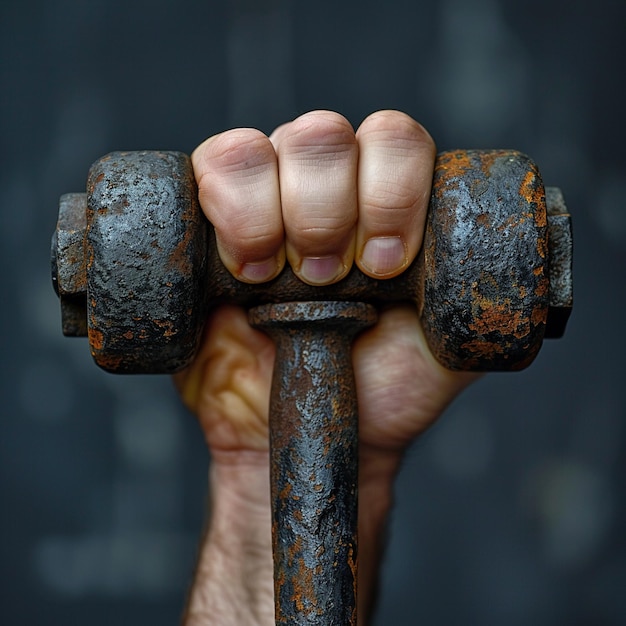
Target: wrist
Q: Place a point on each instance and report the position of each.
(234, 579)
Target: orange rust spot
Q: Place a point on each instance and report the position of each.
(167, 326)
(539, 315)
(449, 168)
(90, 257)
(483, 220)
(530, 190)
(285, 491)
(499, 317)
(96, 339)
(542, 288)
(533, 192)
(303, 590)
(96, 344)
(180, 258)
(488, 158)
(455, 164)
(294, 551)
(128, 334)
(481, 347)
(353, 565)
(109, 363)
(542, 247)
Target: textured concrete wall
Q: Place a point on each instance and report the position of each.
(512, 510)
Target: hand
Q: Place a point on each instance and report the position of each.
(321, 197)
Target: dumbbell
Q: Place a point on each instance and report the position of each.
(136, 268)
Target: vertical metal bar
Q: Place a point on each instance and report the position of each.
(314, 459)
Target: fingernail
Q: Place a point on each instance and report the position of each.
(321, 270)
(259, 272)
(383, 255)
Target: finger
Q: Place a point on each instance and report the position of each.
(396, 161)
(237, 175)
(318, 158)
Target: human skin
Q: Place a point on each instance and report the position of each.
(320, 196)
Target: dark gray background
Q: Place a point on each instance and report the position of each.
(511, 510)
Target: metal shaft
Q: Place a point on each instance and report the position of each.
(314, 459)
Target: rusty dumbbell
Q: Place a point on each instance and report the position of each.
(136, 268)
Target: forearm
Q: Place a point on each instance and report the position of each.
(233, 584)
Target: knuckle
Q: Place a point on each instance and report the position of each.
(238, 151)
(391, 194)
(319, 133)
(390, 201)
(244, 241)
(396, 129)
(321, 234)
(321, 228)
(247, 224)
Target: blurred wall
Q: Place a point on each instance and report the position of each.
(511, 510)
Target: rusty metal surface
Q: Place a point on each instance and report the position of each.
(146, 250)
(314, 458)
(482, 282)
(69, 276)
(561, 247)
(486, 283)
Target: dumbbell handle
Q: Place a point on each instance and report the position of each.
(314, 458)
(287, 287)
